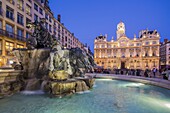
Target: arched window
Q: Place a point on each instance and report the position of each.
(123, 55)
(146, 54)
(137, 55)
(154, 54)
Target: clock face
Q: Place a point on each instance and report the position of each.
(123, 42)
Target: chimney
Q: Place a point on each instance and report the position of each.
(59, 18)
(165, 40)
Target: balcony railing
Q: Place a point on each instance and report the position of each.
(11, 1)
(12, 35)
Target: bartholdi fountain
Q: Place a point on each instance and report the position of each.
(48, 66)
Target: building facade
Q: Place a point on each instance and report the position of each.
(165, 54)
(16, 14)
(137, 53)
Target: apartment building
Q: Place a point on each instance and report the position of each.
(16, 14)
(165, 54)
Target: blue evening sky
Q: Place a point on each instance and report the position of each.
(89, 18)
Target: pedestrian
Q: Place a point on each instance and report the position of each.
(154, 70)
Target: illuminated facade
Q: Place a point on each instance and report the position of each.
(16, 14)
(136, 53)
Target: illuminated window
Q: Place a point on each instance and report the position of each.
(20, 46)
(11, 1)
(20, 5)
(28, 9)
(8, 47)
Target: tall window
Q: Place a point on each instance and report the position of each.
(50, 28)
(28, 21)
(147, 43)
(35, 17)
(0, 47)
(46, 16)
(30, 1)
(20, 19)
(20, 5)
(50, 19)
(20, 33)
(42, 1)
(27, 35)
(11, 1)
(9, 28)
(146, 54)
(8, 47)
(66, 38)
(0, 24)
(28, 9)
(9, 13)
(123, 55)
(0, 8)
(36, 7)
(46, 25)
(40, 11)
(154, 42)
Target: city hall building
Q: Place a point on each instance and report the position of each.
(128, 53)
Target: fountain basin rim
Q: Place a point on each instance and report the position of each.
(148, 81)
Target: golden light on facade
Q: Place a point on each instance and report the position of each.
(123, 50)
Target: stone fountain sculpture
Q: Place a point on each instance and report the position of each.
(52, 68)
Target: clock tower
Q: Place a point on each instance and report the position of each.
(120, 30)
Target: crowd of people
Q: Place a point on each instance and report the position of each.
(154, 73)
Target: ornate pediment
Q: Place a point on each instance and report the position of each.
(123, 41)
